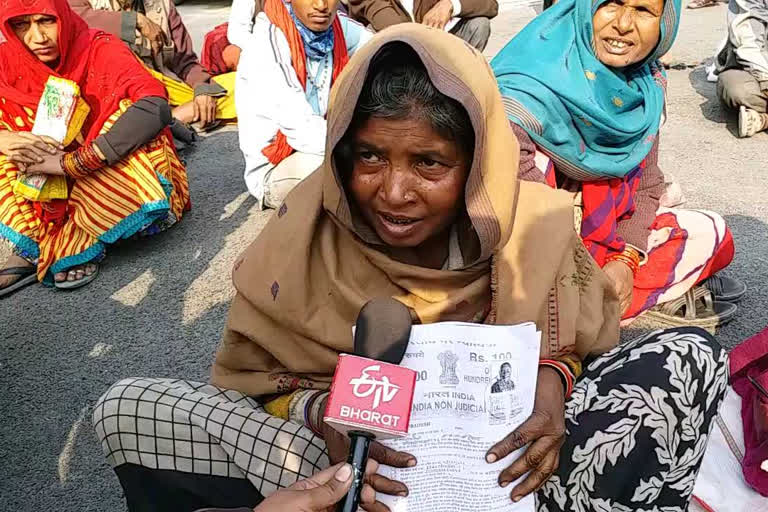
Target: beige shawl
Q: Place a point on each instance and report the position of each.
(302, 282)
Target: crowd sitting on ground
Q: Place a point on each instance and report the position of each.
(399, 164)
(155, 32)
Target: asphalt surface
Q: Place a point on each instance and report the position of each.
(159, 305)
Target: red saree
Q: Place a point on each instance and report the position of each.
(114, 202)
(101, 64)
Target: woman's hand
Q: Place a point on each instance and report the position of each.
(25, 149)
(338, 449)
(623, 280)
(205, 109)
(439, 15)
(49, 164)
(320, 492)
(544, 431)
(152, 31)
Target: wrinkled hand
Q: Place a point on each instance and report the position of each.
(623, 280)
(50, 164)
(205, 109)
(544, 431)
(152, 32)
(320, 492)
(439, 15)
(338, 449)
(24, 148)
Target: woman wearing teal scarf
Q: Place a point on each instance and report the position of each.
(599, 120)
(583, 89)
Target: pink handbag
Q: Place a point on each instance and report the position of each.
(749, 378)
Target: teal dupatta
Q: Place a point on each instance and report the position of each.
(595, 122)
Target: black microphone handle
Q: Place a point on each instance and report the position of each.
(360, 441)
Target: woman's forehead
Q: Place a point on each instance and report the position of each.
(655, 5)
(31, 17)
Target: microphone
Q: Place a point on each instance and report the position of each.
(371, 396)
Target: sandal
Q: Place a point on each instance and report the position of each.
(27, 276)
(697, 308)
(725, 288)
(700, 4)
(79, 283)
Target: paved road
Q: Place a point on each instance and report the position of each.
(158, 307)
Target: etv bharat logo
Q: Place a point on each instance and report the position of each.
(365, 385)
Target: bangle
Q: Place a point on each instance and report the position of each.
(565, 374)
(313, 411)
(81, 162)
(574, 364)
(629, 256)
(304, 408)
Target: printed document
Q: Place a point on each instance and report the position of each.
(474, 385)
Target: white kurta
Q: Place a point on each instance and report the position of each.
(269, 96)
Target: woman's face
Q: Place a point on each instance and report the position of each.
(625, 32)
(506, 372)
(40, 34)
(407, 180)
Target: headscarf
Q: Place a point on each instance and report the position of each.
(302, 282)
(103, 67)
(212, 55)
(595, 122)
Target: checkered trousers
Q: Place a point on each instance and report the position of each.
(198, 428)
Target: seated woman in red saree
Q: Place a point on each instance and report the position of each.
(123, 174)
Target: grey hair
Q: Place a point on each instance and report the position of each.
(398, 87)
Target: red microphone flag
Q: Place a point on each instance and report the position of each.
(372, 396)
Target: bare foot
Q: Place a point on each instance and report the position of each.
(13, 261)
(75, 273)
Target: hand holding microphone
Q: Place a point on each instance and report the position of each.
(320, 492)
(371, 398)
(338, 449)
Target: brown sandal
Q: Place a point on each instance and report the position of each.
(696, 308)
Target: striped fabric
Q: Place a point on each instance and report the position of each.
(113, 203)
(684, 247)
(606, 203)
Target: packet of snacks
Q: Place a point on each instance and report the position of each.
(60, 115)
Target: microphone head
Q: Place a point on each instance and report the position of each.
(383, 330)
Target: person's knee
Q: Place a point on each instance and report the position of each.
(105, 411)
(711, 358)
(116, 390)
(481, 27)
(478, 31)
(736, 88)
(277, 190)
(287, 175)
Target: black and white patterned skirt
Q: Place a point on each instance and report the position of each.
(637, 428)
